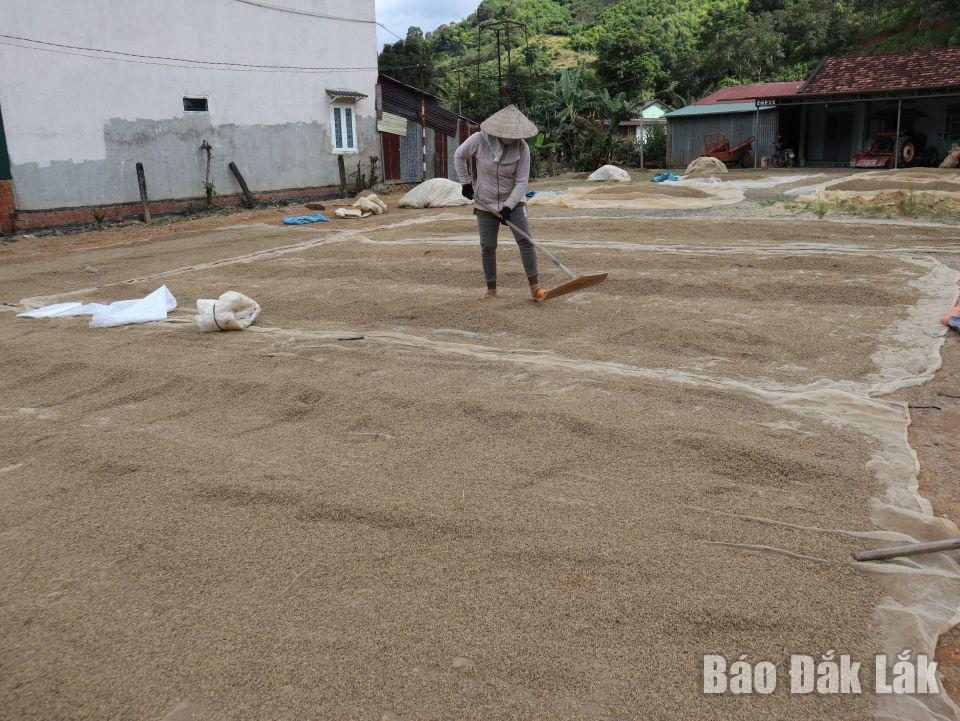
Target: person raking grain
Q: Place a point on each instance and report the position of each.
(502, 160)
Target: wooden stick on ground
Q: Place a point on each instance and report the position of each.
(910, 549)
(247, 195)
(144, 202)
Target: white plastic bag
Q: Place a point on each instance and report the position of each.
(231, 311)
(434, 193)
(610, 172)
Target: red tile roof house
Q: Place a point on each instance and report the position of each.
(743, 93)
(848, 99)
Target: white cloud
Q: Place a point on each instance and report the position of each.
(398, 15)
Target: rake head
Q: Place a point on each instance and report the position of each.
(575, 284)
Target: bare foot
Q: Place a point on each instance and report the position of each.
(489, 293)
(537, 293)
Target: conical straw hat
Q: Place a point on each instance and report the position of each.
(509, 123)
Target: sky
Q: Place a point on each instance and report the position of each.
(398, 15)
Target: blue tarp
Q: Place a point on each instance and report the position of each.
(661, 177)
(304, 219)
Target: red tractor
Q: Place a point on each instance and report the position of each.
(910, 149)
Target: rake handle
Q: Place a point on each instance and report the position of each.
(526, 236)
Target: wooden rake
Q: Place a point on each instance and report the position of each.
(576, 282)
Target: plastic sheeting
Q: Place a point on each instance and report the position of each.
(936, 189)
(685, 194)
(305, 219)
(434, 193)
(609, 172)
(50, 311)
(231, 311)
(150, 308)
(664, 178)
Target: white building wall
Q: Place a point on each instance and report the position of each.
(76, 125)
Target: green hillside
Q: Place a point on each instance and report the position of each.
(677, 50)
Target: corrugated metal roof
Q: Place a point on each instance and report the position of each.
(400, 99)
(404, 100)
(716, 109)
(341, 93)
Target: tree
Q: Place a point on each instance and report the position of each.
(642, 44)
(410, 59)
(739, 46)
(624, 57)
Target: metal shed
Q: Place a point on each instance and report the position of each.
(738, 121)
(410, 152)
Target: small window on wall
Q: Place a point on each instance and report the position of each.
(195, 105)
(344, 125)
(951, 131)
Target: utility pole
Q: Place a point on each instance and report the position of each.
(502, 34)
(499, 68)
(423, 122)
(643, 140)
(896, 140)
(459, 95)
(509, 65)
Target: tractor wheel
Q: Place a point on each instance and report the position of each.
(908, 153)
(746, 160)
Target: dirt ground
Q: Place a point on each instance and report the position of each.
(478, 509)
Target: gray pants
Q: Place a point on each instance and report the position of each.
(489, 228)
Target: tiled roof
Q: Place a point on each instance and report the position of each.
(740, 93)
(911, 70)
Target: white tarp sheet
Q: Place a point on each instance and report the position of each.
(49, 311)
(107, 315)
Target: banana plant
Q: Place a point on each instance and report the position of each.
(612, 109)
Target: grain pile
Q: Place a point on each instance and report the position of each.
(476, 512)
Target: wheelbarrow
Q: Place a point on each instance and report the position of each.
(716, 145)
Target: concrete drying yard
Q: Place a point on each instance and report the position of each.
(478, 510)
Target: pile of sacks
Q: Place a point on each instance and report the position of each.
(953, 158)
(363, 207)
(609, 172)
(705, 165)
(434, 193)
(231, 311)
